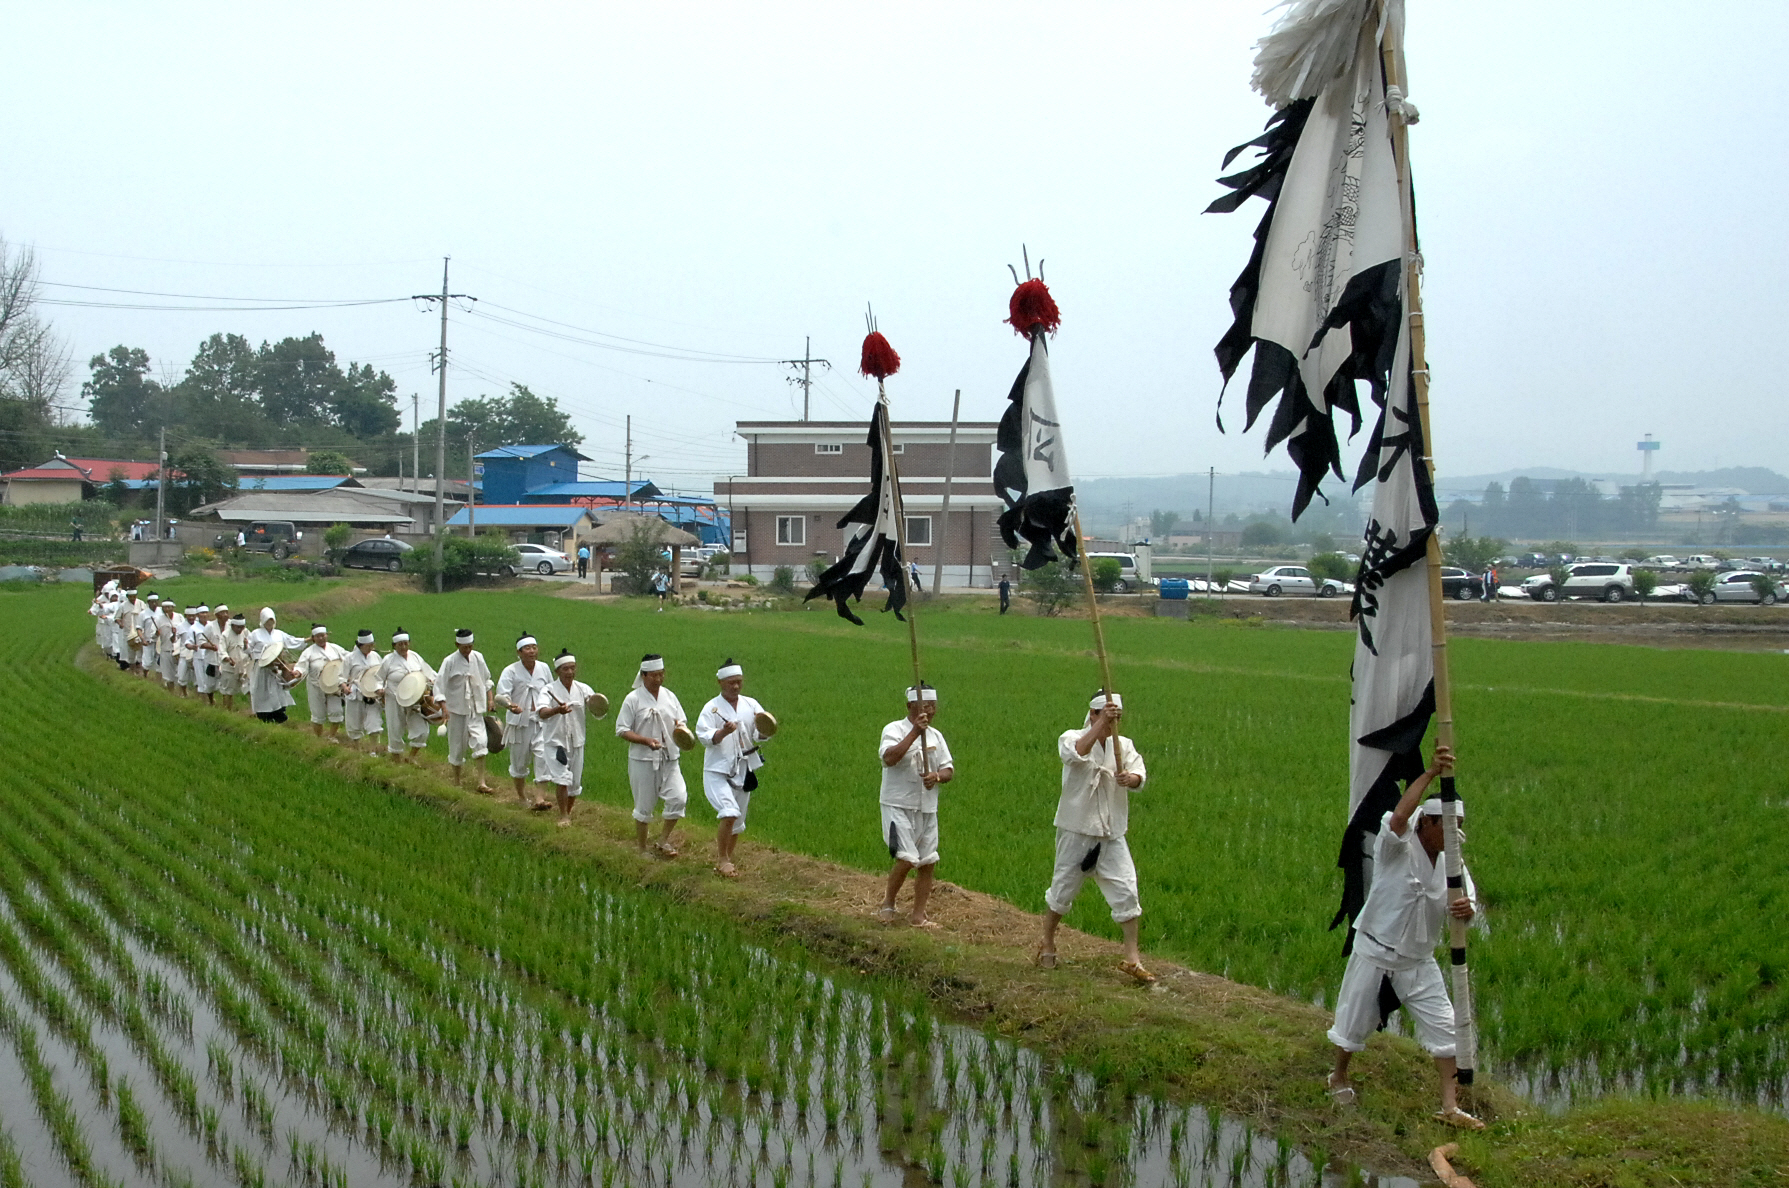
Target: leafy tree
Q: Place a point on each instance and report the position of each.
(1262, 534)
(221, 390)
(199, 477)
(782, 580)
(1645, 582)
(336, 538)
(1161, 523)
(1050, 587)
(115, 492)
(121, 398)
(299, 379)
(328, 462)
(1701, 583)
(639, 555)
(1764, 586)
(1107, 572)
(1330, 565)
(1473, 553)
(462, 560)
(366, 402)
(520, 418)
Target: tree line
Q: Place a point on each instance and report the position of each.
(1572, 510)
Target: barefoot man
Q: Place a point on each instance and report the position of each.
(728, 728)
(562, 713)
(648, 717)
(519, 690)
(1394, 944)
(464, 682)
(915, 760)
(1092, 817)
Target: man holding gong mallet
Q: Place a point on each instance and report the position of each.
(1100, 769)
(915, 760)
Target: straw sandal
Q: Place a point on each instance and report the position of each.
(887, 915)
(665, 849)
(925, 924)
(1137, 973)
(484, 791)
(1341, 1095)
(540, 806)
(1459, 1119)
(1042, 959)
(727, 871)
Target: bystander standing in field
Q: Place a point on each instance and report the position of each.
(563, 715)
(268, 696)
(206, 638)
(1394, 942)
(728, 730)
(406, 730)
(325, 702)
(360, 713)
(1100, 769)
(583, 560)
(464, 682)
(519, 690)
(910, 777)
(233, 663)
(1006, 593)
(649, 719)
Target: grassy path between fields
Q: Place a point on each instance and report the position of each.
(1195, 1037)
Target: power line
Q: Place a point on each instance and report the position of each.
(209, 297)
(717, 355)
(137, 305)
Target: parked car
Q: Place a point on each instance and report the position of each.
(1661, 563)
(542, 560)
(1283, 579)
(1701, 561)
(1330, 587)
(1458, 583)
(378, 553)
(1127, 569)
(278, 537)
(1591, 579)
(1738, 587)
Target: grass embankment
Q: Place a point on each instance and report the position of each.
(1222, 718)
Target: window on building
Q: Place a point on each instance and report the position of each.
(900, 447)
(791, 530)
(919, 530)
(829, 447)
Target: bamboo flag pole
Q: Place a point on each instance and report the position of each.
(900, 511)
(1466, 1035)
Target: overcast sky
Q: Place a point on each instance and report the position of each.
(1600, 187)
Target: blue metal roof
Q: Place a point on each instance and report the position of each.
(593, 489)
(523, 515)
(291, 482)
(529, 451)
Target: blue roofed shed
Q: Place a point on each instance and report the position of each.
(552, 524)
(512, 471)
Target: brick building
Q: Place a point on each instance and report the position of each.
(801, 476)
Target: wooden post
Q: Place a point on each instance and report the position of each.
(1099, 630)
(1466, 1035)
(941, 539)
(676, 569)
(900, 511)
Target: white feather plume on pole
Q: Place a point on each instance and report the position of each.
(1313, 44)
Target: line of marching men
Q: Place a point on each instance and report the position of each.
(210, 651)
(356, 694)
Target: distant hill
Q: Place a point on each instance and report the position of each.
(1753, 480)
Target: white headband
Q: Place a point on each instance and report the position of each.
(654, 665)
(562, 661)
(1432, 808)
(204, 610)
(364, 637)
(319, 629)
(239, 619)
(267, 613)
(222, 607)
(731, 670)
(462, 636)
(922, 695)
(401, 637)
(1099, 703)
(527, 641)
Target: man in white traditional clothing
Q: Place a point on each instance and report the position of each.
(234, 663)
(206, 639)
(915, 760)
(728, 730)
(167, 646)
(326, 702)
(1100, 769)
(360, 713)
(464, 685)
(186, 644)
(649, 718)
(148, 656)
(518, 692)
(565, 729)
(406, 730)
(269, 692)
(129, 619)
(1394, 942)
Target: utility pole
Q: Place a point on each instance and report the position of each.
(471, 490)
(627, 481)
(441, 421)
(943, 536)
(806, 380)
(415, 444)
(1211, 486)
(161, 489)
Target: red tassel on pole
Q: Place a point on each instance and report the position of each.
(879, 359)
(1032, 308)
